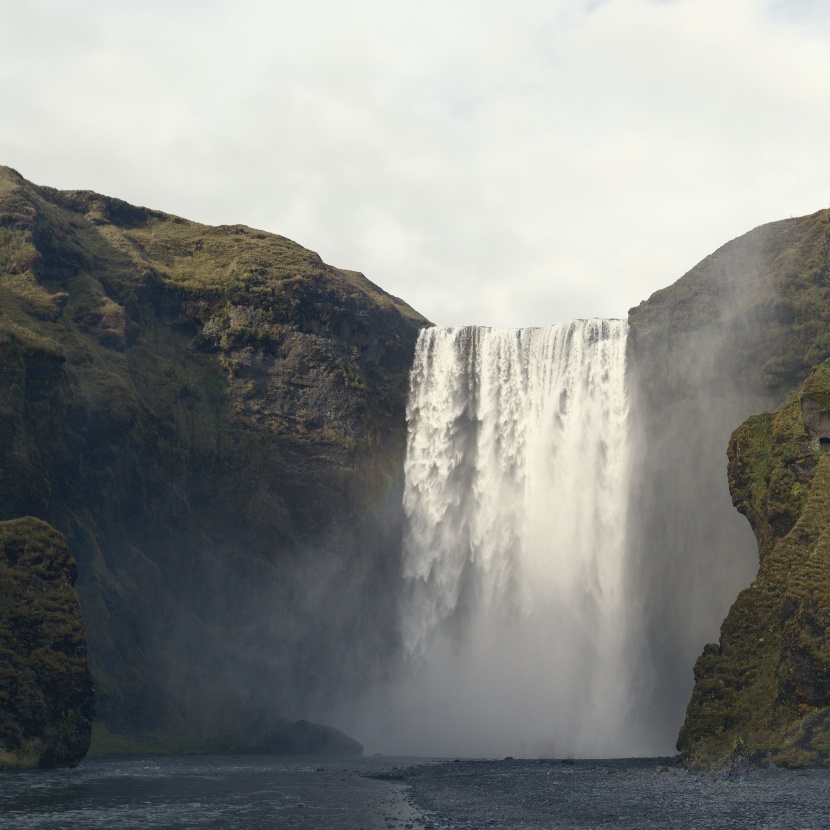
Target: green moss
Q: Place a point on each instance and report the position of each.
(764, 692)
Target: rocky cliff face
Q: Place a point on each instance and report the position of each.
(46, 690)
(763, 692)
(735, 336)
(214, 418)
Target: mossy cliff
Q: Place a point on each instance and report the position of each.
(763, 693)
(46, 690)
(214, 418)
(734, 337)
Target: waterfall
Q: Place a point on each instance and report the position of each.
(514, 618)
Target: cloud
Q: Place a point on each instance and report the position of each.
(505, 165)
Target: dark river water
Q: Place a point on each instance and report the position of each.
(253, 792)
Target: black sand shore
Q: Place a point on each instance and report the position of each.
(258, 792)
(630, 794)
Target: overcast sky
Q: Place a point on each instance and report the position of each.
(498, 163)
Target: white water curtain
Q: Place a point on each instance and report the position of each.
(514, 618)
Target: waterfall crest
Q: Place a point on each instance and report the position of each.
(514, 618)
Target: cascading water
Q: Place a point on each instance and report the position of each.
(514, 619)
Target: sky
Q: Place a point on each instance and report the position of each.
(504, 164)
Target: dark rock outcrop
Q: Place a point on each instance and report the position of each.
(214, 418)
(762, 694)
(304, 738)
(46, 691)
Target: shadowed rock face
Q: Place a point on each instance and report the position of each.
(46, 690)
(214, 418)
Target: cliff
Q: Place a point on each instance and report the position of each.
(46, 691)
(734, 337)
(762, 694)
(214, 419)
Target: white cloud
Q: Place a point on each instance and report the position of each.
(508, 165)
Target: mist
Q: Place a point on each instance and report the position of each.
(698, 369)
(542, 570)
(512, 620)
(491, 669)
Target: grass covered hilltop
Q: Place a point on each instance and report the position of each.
(214, 419)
